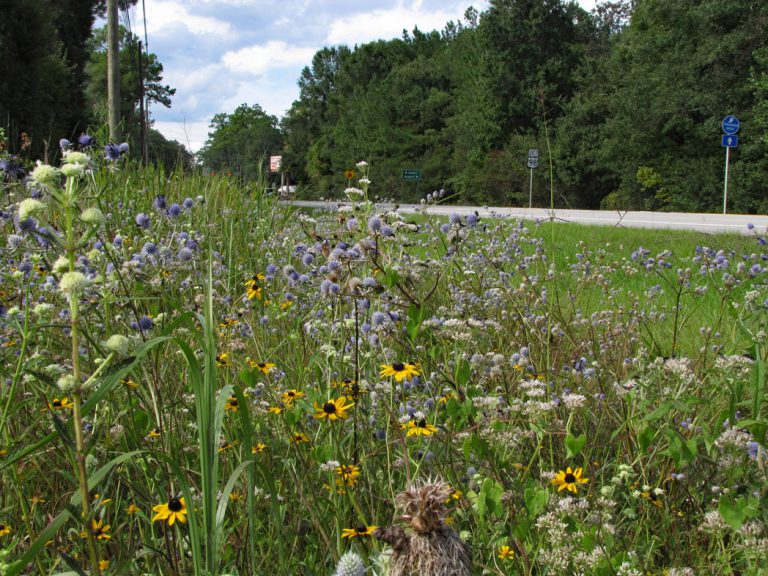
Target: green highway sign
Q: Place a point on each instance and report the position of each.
(412, 174)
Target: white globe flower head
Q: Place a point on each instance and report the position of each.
(46, 175)
(73, 170)
(73, 157)
(61, 265)
(30, 207)
(93, 217)
(66, 383)
(73, 283)
(119, 344)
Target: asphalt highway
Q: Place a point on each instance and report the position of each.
(712, 223)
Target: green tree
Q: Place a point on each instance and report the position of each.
(242, 142)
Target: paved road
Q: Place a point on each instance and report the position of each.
(712, 223)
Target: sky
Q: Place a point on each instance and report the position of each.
(219, 54)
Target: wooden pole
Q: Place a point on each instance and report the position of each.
(113, 70)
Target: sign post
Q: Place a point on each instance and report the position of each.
(533, 162)
(730, 126)
(412, 175)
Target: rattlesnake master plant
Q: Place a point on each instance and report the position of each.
(350, 565)
(432, 548)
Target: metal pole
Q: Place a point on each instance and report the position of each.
(530, 192)
(725, 190)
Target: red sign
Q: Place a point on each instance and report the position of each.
(275, 162)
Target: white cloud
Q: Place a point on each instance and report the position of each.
(260, 58)
(390, 23)
(164, 15)
(192, 134)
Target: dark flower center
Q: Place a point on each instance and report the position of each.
(652, 496)
(233, 401)
(261, 365)
(175, 505)
(290, 394)
(398, 366)
(570, 479)
(329, 408)
(361, 529)
(57, 403)
(421, 424)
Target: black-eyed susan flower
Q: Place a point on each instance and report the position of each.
(258, 448)
(400, 370)
(61, 404)
(175, 509)
(103, 565)
(231, 404)
(222, 360)
(506, 553)
(225, 446)
(299, 438)
(4, 529)
(349, 386)
(290, 395)
(333, 409)
(654, 497)
(154, 433)
(569, 480)
(359, 532)
(349, 174)
(275, 410)
(420, 428)
(132, 509)
(98, 529)
(253, 286)
(263, 367)
(128, 383)
(348, 474)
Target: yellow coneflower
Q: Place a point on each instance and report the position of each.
(175, 509)
(506, 553)
(290, 395)
(253, 289)
(358, 532)
(236, 497)
(455, 495)
(98, 529)
(4, 529)
(61, 404)
(569, 480)
(132, 509)
(349, 386)
(420, 428)
(231, 404)
(400, 370)
(333, 409)
(285, 305)
(222, 360)
(275, 410)
(103, 565)
(154, 433)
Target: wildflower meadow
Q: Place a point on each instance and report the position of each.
(199, 379)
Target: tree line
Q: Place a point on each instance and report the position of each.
(53, 80)
(623, 103)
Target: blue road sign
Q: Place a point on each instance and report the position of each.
(730, 141)
(731, 125)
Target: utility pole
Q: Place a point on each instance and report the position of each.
(113, 71)
(142, 109)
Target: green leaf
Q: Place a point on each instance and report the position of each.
(574, 445)
(536, 500)
(463, 372)
(645, 438)
(733, 511)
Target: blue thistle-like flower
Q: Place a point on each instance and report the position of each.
(86, 141)
(174, 210)
(188, 203)
(112, 152)
(142, 220)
